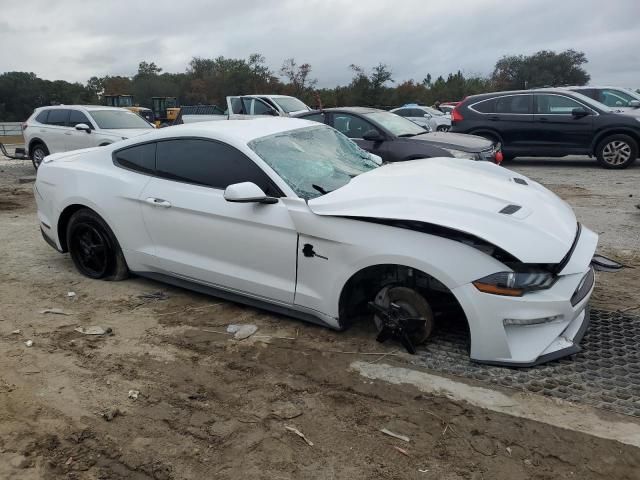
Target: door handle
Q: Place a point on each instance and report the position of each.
(543, 119)
(158, 202)
(494, 118)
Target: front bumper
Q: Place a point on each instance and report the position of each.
(494, 341)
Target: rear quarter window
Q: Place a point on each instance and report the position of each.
(485, 106)
(140, 158)
(42, 116)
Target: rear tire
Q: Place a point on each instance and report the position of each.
(617, 151)
(93, 247)
(443, 128)
(38, 152)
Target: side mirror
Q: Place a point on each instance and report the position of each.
(580, 112)
(247, 192)
(426, 115)
(372, 136)
(634, 103)
(83, 126)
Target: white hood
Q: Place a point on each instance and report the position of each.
(122, 133)
(463, 195)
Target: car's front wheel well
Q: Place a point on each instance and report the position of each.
(63, 222)
(33, 143)
(363, 286)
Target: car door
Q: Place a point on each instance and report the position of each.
(57, 130)
(80, 138)
(559, 130)
(355, 127)
(512, 117)
(247, 248)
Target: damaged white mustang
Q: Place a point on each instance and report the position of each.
(293, 217)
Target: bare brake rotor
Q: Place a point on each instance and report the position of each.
(403, 314)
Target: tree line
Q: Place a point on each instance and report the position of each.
(210, 80)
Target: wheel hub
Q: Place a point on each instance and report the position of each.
(616, 152)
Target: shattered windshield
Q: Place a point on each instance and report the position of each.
(313, 160)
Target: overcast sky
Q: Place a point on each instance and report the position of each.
(76, 39)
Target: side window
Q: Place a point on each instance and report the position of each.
(209, 163)
(315, 117)
(403, 112)
(615, 98)
(351, 126)
(261, 108)
(76, 117)
(514, 104)
(485, 106)
(42, 116)
(416, 112)
(58, 116)
(555, 105)
(141, 158)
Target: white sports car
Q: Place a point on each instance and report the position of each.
(292, 216)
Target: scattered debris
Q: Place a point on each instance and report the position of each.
(111, 414)
(22, 180)
(69, 461)
(29, 343)
(16, 332)
(423, 470)
(528, 462)
(159, 295)
(300, 434)
(71, 294)
(94, 330)
(402, 451)
(133, 394)
(242, 331)
(286, 410)
(509, 450)
(395, 435)
(54, 311)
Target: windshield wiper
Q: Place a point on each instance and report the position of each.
(406, 135)
(320, 189)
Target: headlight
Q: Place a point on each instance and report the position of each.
(515, 284)
(461, 154)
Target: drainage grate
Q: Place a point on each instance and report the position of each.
(605, 374)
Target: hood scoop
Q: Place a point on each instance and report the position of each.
(510, 209)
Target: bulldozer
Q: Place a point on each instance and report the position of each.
(126, 101)
(165, 110)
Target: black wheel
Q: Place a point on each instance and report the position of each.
(412, 305)
(93, 247)
(443, 128)
(617, 151)
(38, 152)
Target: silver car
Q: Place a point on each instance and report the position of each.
(429, 117)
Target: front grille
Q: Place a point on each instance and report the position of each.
(584, 288)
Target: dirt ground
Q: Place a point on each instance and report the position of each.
(212, 407)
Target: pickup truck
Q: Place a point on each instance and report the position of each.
(243, 106)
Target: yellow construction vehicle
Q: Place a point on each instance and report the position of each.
(165, 110)
(126, 101)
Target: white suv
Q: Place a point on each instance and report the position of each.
(70, 127)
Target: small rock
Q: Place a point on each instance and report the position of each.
(286, 410)
(527, 462)
(16, 332)
(242, 331)
(71, 294)
(133, 394)
(29, 343)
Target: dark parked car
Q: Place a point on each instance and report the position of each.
(552, 123)
(396, 139)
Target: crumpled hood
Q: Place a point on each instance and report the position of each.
(463, 195)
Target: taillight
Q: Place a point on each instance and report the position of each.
(499, 157)
(456, 116)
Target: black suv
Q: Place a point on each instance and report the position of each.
(550, 122)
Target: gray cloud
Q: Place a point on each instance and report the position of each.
(75, 39)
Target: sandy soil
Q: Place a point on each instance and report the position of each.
(213, 407)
